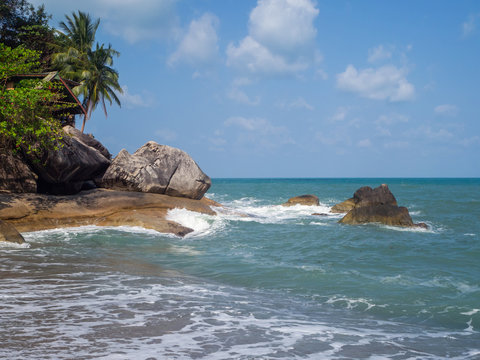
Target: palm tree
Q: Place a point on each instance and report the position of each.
(100, 80)
(91, 67)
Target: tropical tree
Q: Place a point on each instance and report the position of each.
(91, 66)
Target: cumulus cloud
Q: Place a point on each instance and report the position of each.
(378, 53)
(384, 83)
(238, 95)
(131, 101)
(280, 38)
(446, 110)
(200, 43)
(469, 26)
(283, 26)
(133, 20)
(340, 114)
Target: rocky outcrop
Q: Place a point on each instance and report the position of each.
(88, 140)
(159, 169)
(65, 170)
(15, 175)
(10, 234)
(344, 206)
(33, 212)
(309, 200)
(376, 205)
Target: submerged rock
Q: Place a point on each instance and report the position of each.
(309, 200)
(375, 205)
(157, 169)
(10, 234)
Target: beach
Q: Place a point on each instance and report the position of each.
(256, 281)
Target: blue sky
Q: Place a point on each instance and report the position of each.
(296, 88)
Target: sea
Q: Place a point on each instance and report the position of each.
(256, 281)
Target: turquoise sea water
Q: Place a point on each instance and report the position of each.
(257, 281)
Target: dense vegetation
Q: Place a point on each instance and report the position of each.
(29, 45)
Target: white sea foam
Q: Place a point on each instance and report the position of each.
(10, 245)
(470, 313)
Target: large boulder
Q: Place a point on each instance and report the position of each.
(157, 169)
(8, 233)
(309, 200)
(375, 205)
(16, 176)
(64, 171)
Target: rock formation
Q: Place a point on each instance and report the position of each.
(157, 169)
(15, 175)
(33, 212)
(344, 206)
(309, 200)
(65, 170)
(375, 205)
(9, 233)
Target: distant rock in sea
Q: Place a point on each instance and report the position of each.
(375, 206)
(309, 200)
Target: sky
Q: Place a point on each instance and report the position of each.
(295, 88)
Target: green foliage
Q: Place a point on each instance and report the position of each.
(23, 24)
(27, 123)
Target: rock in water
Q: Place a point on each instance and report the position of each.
(16, 176)
(157, 169)
(376, 205)
(344, 206)
(10, 234)
(309, 200)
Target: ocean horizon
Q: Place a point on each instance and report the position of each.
(256, 281)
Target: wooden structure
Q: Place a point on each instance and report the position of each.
(74, 106)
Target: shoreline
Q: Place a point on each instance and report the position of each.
(100, 207)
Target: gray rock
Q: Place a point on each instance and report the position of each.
(16, 176)
(9, 233)
(63, 171)
(88, 140)
(157, 169)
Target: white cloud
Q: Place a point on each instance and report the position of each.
(283, 26)
(200, 44)
(340, 114)
(299, 103)
(131, 101)
(446, 110)
(135, 21)
(378, 53)
(252, 56)
(386, 82)
(280, 39)
(469, 26)
(240, 96)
